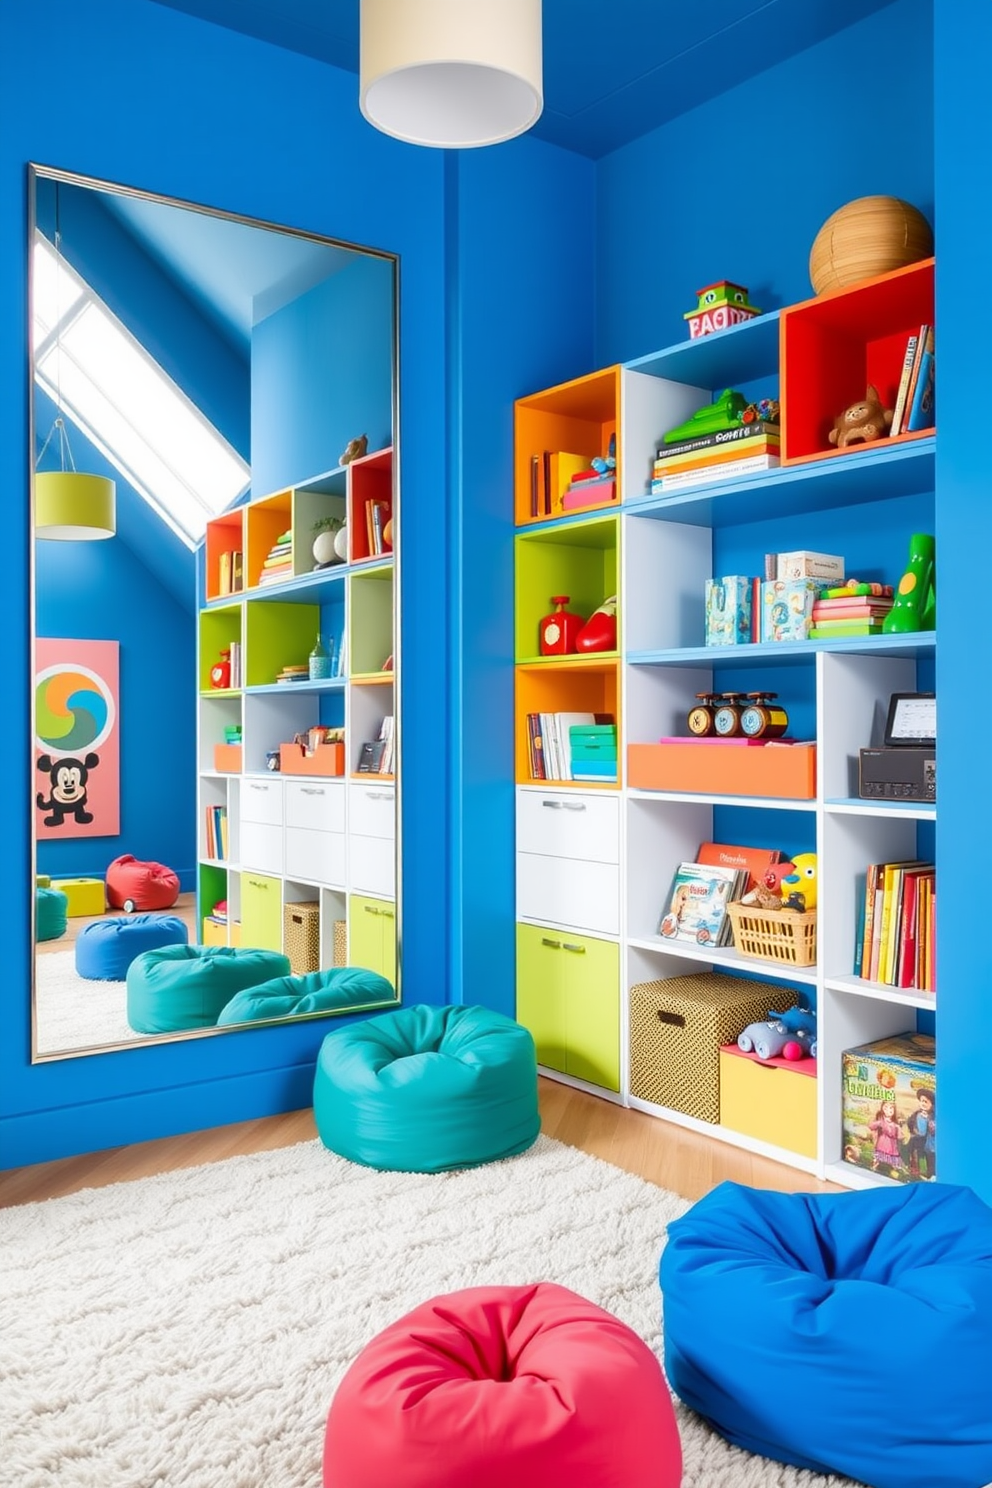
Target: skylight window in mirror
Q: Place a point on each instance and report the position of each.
(126, 405)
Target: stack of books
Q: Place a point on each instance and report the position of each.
(915, 406)
(235, 659)
(896, 920)
(697, 905)
(740, 450)
(850, 610)
(572, 746)
(294, 674)
(589, 488)
(279, 564)
(230, 573)
(377, 513)
(216, 823)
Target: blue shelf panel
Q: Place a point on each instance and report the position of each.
(331, 482)
(738, 354)
(869, 475)
(917, 645)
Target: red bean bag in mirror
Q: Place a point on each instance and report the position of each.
(504, 1387)
(135, 885)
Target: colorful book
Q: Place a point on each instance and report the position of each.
(854, 590)
(589, 493)
(849, 612)
(712, 473)
(755, 861)
(697, 459)
(845, 628)
(739, 434)
(922, 412)
(907, 368)
(697, 905)
(914, 374)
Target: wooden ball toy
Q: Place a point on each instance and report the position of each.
(870, 235)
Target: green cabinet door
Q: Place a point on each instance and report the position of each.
(540, 993)
(590, 972)
(261, 912)
(372, 935)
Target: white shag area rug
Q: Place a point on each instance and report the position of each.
(189, 1330)
(72, 1012)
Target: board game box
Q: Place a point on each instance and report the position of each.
(889, 1120)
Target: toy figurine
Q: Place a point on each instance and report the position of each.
(220, 672)
(604, 463)
(557, 631)
(712, 418)
(799, 887)
(787, 1035)
(862, 422)
(914, 607)
(355, 449)
(720, 305)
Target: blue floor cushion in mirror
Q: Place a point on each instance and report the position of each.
(846, 1333)
(423, 1089)
(184, 986)
(311, 992)
(106, 948)
(51, 914)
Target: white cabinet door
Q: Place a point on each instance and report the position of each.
(583, 894)
(317, 807)
(261, 847)
(372, 810)
(372, 865)
(261, 801)
(316, 856)
(566, 824)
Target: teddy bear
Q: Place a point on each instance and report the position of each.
(861, 422)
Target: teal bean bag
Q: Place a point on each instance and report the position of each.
(316, 992)
(51, 913)
(183, 986)
(424, 1089)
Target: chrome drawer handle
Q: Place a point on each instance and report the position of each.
(388, 914)
(573, 805)
(579, 950)
(257, 884)
(554, 944)
(312, 790)
(379, 795)
(552, 805)
(370, 909)
(256, 786)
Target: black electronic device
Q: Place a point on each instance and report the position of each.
(904, 768)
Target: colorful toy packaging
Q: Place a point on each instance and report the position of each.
(729, 610)
(787, 608)
(889, 1118)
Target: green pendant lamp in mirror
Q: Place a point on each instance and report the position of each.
(70, 506)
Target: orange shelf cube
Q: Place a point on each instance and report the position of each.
(833, 346)
(570, 685)
(575, 418)
(225, 534)
(267, 520)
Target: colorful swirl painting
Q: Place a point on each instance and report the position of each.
(77, 749)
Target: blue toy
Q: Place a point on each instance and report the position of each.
(600, 464)
(788, 1035)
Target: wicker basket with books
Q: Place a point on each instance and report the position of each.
(784, 935)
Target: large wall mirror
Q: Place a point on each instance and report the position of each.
(216, 538)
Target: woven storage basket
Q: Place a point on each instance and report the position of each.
(677, 1025)
(301, 936)
(339, 956)
(774, 934)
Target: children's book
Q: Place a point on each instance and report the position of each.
(697, 905)
(755, 861)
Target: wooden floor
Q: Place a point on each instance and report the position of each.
(678, 1160)
(184, 908)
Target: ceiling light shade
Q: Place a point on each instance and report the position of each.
(451, 73)
(71, 507)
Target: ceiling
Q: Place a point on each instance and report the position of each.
(663, 58)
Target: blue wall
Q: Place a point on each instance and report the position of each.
(321, 373)
(231, 146)
(738, 188)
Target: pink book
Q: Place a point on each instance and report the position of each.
(588, 493)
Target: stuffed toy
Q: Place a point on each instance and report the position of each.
(862, 422)
(789, 1035)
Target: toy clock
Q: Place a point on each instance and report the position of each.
(700, 718)
(220, 672)
(727, 717)
(762, 718)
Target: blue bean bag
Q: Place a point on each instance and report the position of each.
(184, 986)
(106, 948)
(313, 992)
(844, 1333)
(51, 913)
(423, 1089)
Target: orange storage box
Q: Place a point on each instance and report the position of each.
(227, 758)
(327, 759)
(724, 767)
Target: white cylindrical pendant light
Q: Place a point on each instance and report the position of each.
(451, 73)
(72, 507)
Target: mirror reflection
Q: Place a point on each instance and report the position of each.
(216, 657)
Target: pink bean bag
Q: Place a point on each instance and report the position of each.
(135, 885)
(504, 1387)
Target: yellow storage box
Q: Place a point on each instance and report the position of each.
(214, 933)
(235, 931)
(771, 1100)
(86, 896)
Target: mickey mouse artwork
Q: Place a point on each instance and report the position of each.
(67, 779)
